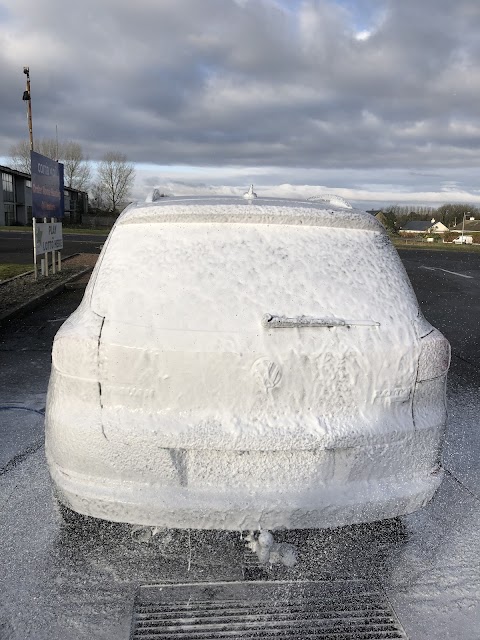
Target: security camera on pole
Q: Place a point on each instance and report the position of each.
(47, 198)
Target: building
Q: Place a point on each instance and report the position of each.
(416, 227)
(16, 200)
(471, 226)
(388, 221)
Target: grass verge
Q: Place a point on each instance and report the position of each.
(9, 270)
(436, 246)
(93, 232)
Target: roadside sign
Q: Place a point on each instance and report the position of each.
(47, 202)
(48, 237)
(47, 187)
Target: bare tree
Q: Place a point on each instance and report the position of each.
(115, 179)
(20, 155)
(451, 214)
(77, 172)
(96, 199)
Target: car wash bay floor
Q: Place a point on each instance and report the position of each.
(59, 585)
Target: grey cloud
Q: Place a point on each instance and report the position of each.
(220, 82)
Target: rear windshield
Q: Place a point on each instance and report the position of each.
(225, 277)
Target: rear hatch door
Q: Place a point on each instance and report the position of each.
(244, 336)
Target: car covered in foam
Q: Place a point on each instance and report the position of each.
(246, 364)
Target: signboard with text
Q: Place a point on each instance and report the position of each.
(47, 187)
(48, 237)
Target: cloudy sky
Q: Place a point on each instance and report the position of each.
(375, 100)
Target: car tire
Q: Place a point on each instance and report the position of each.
(79, 525)
(70, 519)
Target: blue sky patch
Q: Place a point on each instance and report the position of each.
(5, 14)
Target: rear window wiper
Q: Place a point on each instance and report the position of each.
(270, 321)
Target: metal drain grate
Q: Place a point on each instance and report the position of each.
(329, 610)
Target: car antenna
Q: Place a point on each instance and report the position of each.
(250, 194)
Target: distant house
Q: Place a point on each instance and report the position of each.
(471, 226)
(382, 218)
(416, 227)
(387, 220)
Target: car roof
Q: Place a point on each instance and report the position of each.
(233, 209)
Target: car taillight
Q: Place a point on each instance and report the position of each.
(434, 358)
(75, 348)
(76, 357)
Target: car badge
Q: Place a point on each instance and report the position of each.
(267, 373)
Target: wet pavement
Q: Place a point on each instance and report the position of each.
(67, 585)
(16, 246)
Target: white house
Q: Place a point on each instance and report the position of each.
(416, 227)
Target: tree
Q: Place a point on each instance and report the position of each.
(451, 214)
(77, 170)
(115, 178)
(96, 199)
(20, 155)
(387, 218)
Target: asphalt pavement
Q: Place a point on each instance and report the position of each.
(60, 586)
(17, 246)
(447, 285)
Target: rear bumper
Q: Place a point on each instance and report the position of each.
(142, 470)
(246, 508)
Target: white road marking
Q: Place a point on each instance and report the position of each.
(454, 273)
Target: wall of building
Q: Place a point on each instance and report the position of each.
(16, 200)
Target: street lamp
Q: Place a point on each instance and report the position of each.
(463, 226)
(28, 99)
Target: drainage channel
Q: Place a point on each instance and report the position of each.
(336, 609)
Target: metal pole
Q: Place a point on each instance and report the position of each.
(52, 220)
(28, 98)
(34, 223)
(463, 225)
(46, 253)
